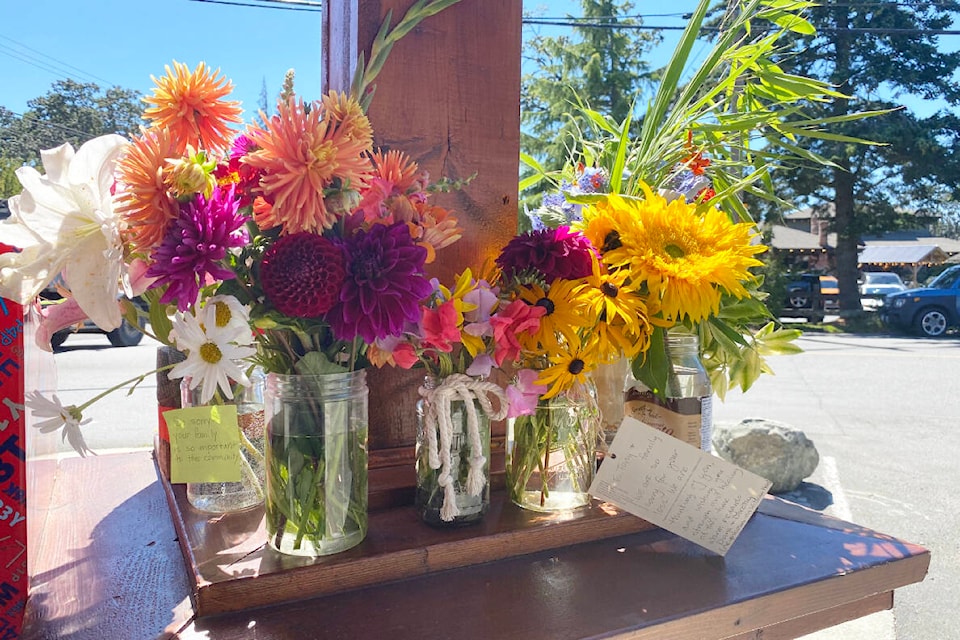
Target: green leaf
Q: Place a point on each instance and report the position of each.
(316, 363)
(653, 368)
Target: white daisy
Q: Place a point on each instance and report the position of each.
(228, 314)
(70, 418)
(212, 358)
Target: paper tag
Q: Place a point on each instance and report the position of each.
(204, 444)
(669, 483)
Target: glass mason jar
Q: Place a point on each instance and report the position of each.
(453, 448)
(551, 454)
(687, 410)
(316, 457)
(227, 497)
(609, 378)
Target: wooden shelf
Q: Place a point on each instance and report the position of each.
(231, 568)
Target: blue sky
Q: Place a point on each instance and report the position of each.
(119, 42)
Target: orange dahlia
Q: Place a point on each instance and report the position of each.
(143, 201)
(348, 117)
(301, 153)
(397, 168)
(192, 107)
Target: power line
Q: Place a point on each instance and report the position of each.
(643, 27)
(55, 60)
(30, 117)
(264, 6)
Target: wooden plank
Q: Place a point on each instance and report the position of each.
(448, 96)
(231, 568)
(820, 620)
(112, 570)
(108, 565)
(781, 577)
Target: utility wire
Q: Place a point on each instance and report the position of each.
(643, 27)
(55, 60)
(32, 118)
(263, 6)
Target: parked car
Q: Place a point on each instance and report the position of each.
(126, 335)
(929, 310)
(877, 285)
(811, 296)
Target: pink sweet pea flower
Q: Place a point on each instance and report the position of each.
(440, 327)
(481, 366)
(524, 394)
(516, 318)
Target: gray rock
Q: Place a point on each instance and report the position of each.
(776, 451)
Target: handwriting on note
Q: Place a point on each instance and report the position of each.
(678, 487)
(204, 444)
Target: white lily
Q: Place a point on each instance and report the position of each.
(64, 222)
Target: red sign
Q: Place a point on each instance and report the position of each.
(13, 471)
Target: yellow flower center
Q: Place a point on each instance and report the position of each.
(576, 366)
(210, 352)
(674, 251)
(222, 314)
(323, 159)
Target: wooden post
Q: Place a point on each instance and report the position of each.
(449, 95)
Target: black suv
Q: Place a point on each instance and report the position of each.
(126, 335)
(811, 296)
(929, 310)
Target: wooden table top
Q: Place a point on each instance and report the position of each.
(110, 567)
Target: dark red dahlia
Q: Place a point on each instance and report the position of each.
(302, 275)
(548, 253)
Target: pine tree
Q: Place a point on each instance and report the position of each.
(603, 65)
(877, 53)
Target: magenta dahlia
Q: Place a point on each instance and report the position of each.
(384, 284)
(192, 251)
(548, 253)
(302, 274)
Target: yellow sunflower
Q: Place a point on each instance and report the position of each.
(566, 314)
(191, 106)
(688, 256)
(569, 363)
(602, 224)
(623, 321)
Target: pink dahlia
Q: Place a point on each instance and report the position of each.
(384, 284)
(549, 254)
(195, 245)
(302, 275)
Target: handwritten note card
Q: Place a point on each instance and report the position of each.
(678, 487)
(204, 444)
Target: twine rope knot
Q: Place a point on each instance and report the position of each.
(438, 424)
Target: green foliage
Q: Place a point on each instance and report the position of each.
(604, 66)
(9, 185)
(892, 53)
(71, 112)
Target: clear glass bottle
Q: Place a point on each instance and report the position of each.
(226, 497)
(687, 411)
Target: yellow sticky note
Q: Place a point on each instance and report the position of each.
(204, 444)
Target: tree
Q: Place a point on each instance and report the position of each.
(71, 112)
(876, 53)
(603, 65)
